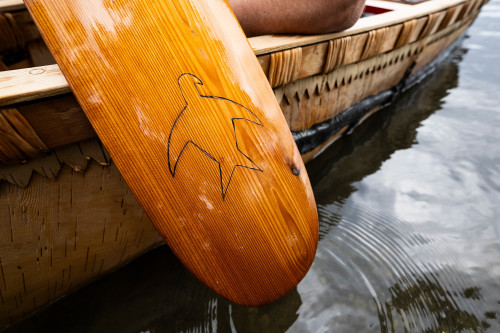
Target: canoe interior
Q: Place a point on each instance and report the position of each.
(68, 216)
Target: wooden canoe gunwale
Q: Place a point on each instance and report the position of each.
(58, 144)
(310, 139)
(295, 67)
(10, 5)
(262, 45)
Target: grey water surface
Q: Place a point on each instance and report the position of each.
(409, 207)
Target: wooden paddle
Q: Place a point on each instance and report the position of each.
(178, 98)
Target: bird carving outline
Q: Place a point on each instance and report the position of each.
(209, 132)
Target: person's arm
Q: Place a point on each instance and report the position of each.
(258, 17)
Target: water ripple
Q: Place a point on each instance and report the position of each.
(366, 255)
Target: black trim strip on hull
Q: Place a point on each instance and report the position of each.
(310, 138)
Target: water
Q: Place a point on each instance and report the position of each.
(409, 210)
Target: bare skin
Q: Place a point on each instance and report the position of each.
(259, 17)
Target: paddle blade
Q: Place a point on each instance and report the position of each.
(178, 98)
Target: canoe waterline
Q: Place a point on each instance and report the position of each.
(62, 228)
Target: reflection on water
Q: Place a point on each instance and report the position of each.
(409, 209)
(375, 272)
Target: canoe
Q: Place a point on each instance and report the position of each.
(67, 215)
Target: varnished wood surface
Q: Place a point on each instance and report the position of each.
(60, 193)
(176, 95)
(49, 180)
(59, 120)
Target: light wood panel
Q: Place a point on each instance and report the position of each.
(31, 83)
(8, 5)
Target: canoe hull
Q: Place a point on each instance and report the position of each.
(68, 216)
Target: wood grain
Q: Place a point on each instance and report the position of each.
(26, 85)
(59, 120)
(65, 185)
(31, 83)
(177, 96)
(56, 236)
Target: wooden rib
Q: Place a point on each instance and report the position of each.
(313, 59)
(464, 12)
(411, 31)
(333, 54)
(22, 135)
(15, 30)
(11, 36)
(284, 66)
(18, 140)
(459, 11)
(373, 43)
(7, 37)
(336, 53)
(473, 8)
(406, 33)
(476, 6)
(391, 36)
(450, 17)
(9, 150)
